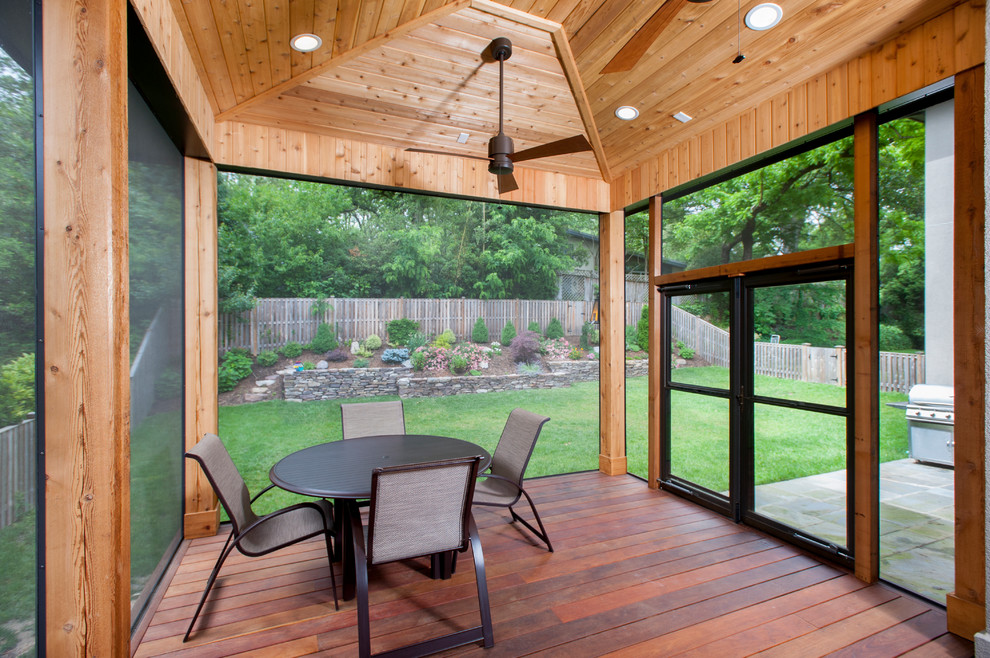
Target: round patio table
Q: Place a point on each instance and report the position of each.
(342, 470)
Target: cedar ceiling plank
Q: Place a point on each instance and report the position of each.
(476, 22)
(179, 10)
(255, 30)
(538, 8)
(325, 27)
(411, 9)
(228, 22)
(346, 24)
(206, 43)
(514, 15)
(279, 59)
(599, 22)
(300, 22)
(453, 38)
(581, 100)
(342, 58)
(716, 100)
(579, 13)
(367, 21)
(518, 124)
(389, 18)
(644, 37)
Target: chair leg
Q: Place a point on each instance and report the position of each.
(227, 548)
(542, 532)
(479, 575)
(333, 579)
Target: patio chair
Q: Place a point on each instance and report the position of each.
(372, 419)
(251, 534)
(502, 486)
(420, 510)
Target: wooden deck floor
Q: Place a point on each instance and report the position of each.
(635, 573)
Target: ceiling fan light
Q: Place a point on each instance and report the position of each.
(626, 112)
(764, 16)
(306, 43)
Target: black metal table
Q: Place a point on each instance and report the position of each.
(342, 470)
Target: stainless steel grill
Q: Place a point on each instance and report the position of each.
(930, 416)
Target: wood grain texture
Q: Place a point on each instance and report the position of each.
(612, 348)
(929, 52)
(202, 513)
(866, 340)
(301, 152)
(87, 362)
(635, 572)
(812, 256)
(969, 336)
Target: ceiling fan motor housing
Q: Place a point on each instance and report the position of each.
(499, 148)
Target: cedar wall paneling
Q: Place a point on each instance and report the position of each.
(296, 152)
(86, 361)
(163, 30)
(941, 47)
(202, 514)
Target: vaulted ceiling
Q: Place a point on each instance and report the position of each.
(415, 73)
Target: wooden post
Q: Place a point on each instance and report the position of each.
(966, 605)
(866, 330)
(87, 362)
(658, 341)
(612, 362)
(202, 515)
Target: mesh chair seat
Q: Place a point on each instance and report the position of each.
(362, 419)
(272, 533)
(492, 491)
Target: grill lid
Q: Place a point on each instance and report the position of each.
(931, 395)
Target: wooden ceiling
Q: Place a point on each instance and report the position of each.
(414, 73)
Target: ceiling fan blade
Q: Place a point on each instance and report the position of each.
(640, 42)
(507, 183)
(458, 155)
(574, 144)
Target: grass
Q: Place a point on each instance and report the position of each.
(788, 443)
(17, 581)
(258, 435)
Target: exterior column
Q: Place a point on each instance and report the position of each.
(656, 344)
(86, 316)
(612, 349)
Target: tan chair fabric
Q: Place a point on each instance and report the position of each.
(511, 458)
(372, 419)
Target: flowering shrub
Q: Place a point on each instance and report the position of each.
(395, 355)
(496, 348)
(557, 349)
(576, 354)
(436, 358)
(473, 355)
(458, 364)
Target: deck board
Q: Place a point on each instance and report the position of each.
(636, 572)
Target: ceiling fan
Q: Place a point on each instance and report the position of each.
(501, 152)
(640, 42)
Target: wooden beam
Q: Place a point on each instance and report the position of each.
(202, 513)
(656, 343)
(343, 58)
(612, 349)
(573, 76)
(966, 605)
(866, 384)
(86, 362)
(810, 257)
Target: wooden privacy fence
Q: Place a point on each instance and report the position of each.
(826, 365)
(18, 460)
(275, 321)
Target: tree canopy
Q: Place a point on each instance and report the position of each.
(285, 238)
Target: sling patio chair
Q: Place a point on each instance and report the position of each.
(502, 486)
(372, 419)
(251, 534)
(420, 510)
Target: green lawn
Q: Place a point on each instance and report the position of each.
(793, 443)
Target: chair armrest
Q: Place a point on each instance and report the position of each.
(286, 510)
(500, 477)
(263, 491)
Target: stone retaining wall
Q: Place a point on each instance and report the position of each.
(369, 382)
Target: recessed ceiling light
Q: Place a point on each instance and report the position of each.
(306, 43)
(626, 112)
(683, 118)
(764, 16)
